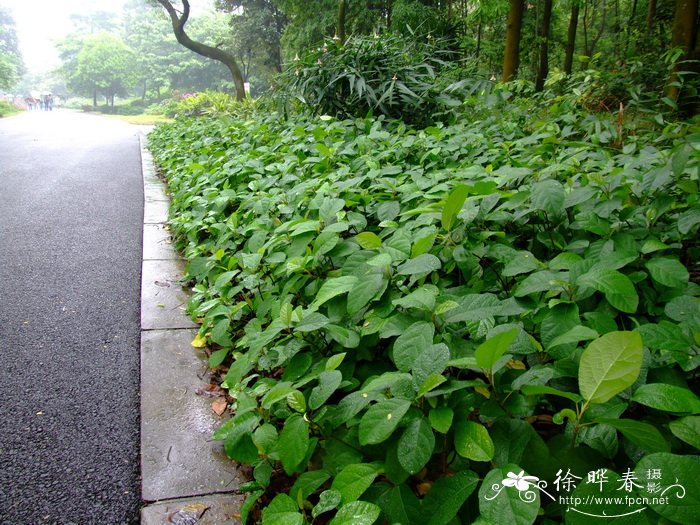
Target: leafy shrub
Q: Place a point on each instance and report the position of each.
(406, 319)
(7, 109)
(381, 75)
(198, 104)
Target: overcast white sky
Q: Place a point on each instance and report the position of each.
(41, 23)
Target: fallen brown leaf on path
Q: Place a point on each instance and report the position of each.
(189, 514)
(211, 390)
(219, 406)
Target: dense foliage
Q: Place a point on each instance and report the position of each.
(11, 64)
(397, 77)
(408, 319)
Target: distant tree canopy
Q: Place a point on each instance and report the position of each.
(651, 42)
(98, 64)
(11, 64)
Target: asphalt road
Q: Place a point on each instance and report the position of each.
(71, 210)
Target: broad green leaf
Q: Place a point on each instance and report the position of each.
(293, 443)
(219, 333)
(328, 382)
(548, 195)
(276, 393)
(286, 312)
(617, 288)
(335, 360)
(683, 308)
(506, 505)
(265, 438)
(687, 429)
(430, 362)
(356, 513)
(307, 483)
(510, 440)
(311, 321)
(542, 281)
(491, 350)
(446, 497)
(576, 334)
(327, 500)
(522, 262)
(296, 401)
(679, 479)
(474, 307)
(416, 446)
(400, 505)
(217, 357)
(610, 364)
(385, 381)
(334, 287)
(441, 419)
(472, 441)
(688, 220)
(653, 245)
(353, 480)
(367, 288)
(347, 337)
(668, 398)
(282, 511)
(410, 344)
(667, 271)
(381, 419)
(424, 263)
(350, 406)
(664, 336)
(423, 298)
(453, 203)
(602, 438)
(642, 434)
(535, 390)
(368, 240)
(431, 382)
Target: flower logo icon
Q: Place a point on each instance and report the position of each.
(519, 481)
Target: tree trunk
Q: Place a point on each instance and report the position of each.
(683, 37)
(214, 53)
(543, 68)
(571, 38)
(478, 40)
(94, 98)
(651, 14)
(340, 30)
(511, 57)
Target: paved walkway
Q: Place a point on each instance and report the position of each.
(71, 199)
(89, 295)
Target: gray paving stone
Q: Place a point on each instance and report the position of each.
(178, 456)
(163, 299)
(154, 192)
(220, 510)
(157, 243)
(155, 212)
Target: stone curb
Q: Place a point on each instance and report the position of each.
(185, 476)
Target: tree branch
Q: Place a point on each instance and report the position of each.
(178, 23)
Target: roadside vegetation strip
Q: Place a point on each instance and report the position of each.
(394, 309)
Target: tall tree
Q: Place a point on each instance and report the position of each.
(511, 57)
(11, 64)
(102, 64)
(571, 37)
(229, 60)
(684, 37)
(545, 29)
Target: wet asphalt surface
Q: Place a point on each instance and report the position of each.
(71, 210)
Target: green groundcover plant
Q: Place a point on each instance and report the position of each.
(495, 321)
